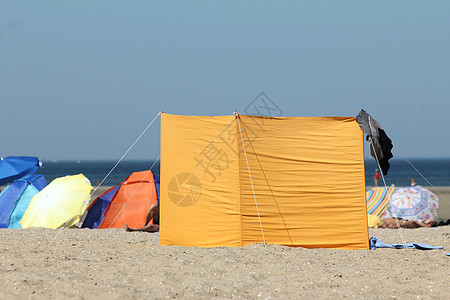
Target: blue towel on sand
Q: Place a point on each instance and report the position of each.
(377, 243)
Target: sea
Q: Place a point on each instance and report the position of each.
(425, 171)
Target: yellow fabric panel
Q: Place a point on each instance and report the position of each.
(308, 177)
(307, 173)
(207, 214)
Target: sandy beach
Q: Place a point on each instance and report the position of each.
(77, 263)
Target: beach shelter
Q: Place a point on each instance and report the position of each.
(378, 199)
(59, 204)
(131, 201)
(414, 203)
(96, 211)
(16, 167)
(237, 180)
(14, 200)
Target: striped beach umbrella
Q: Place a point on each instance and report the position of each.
(378, 200)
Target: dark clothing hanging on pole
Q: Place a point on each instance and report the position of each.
(381, 144)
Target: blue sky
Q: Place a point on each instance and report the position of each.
(82, 79)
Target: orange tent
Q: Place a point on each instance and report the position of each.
(132, 201)
(237, 180)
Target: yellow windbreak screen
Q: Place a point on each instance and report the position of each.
(199, 181)
(228, 181)
(308, 181)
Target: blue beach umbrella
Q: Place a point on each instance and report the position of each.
(14, 200)
(16, 167)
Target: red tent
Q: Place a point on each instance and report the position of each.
(132, 201)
